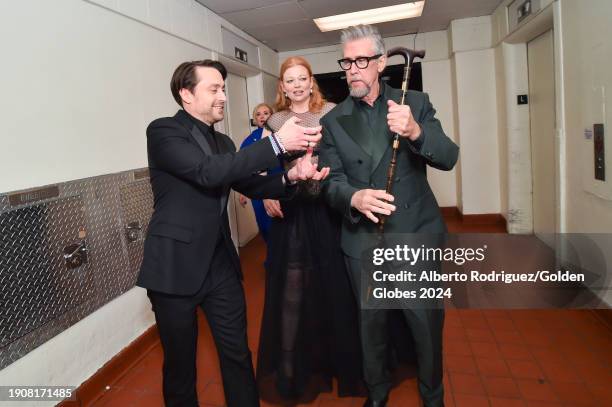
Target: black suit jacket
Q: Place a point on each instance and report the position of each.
(190, 189)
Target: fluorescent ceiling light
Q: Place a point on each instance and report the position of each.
(372, 16)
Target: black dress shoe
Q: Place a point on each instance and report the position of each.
(375, 403)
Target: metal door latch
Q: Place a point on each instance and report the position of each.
(75, 255)
(132, 231)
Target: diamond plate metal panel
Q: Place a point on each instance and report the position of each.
(39, 296)
(109, 256)
(137, 206)
(4, 203)
(36, 285)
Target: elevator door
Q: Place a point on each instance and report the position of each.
(542, 125)
(242, 220)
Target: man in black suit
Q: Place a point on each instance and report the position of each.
(189, 258)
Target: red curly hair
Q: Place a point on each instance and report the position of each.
(316, 98)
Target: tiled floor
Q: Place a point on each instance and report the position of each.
(496, 358)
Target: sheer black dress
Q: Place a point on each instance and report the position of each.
(309, 332)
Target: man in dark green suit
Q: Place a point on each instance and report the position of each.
(356, 145)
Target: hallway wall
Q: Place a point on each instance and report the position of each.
(582, 57)
(587, 84)
(587, 87)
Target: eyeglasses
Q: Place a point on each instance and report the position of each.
(360, 62)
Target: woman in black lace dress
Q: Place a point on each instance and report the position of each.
(309, 331)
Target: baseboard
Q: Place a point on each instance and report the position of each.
(483, 219)
(95, 387)
(453, 213)
(450, 212)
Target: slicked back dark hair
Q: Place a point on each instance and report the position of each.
(185, 76)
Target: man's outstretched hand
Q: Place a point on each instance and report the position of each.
(297, 138)
(305, 169)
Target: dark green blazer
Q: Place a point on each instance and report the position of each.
(359, 159)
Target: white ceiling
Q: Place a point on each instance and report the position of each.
(287, 25)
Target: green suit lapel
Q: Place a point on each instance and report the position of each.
(383, 135)
(375, 145)
(382, 143)
(353, 124)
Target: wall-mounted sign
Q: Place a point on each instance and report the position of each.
(33, 195)
(140, 174)
(524, 10)
(241, 55)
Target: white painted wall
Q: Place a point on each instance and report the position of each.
(270, 84)
(269, 60)
(83, 84)
(321, 59)
(434, 42)
(256, 94)
(97, 65)
(475, 79)
(81, 80)
(499, 22)
(477, 120)
(471, 34)
(587, 89)
(437, 81)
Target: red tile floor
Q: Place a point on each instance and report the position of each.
(497, 358)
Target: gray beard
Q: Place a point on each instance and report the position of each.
(359, 92)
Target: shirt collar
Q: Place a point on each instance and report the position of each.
(381, 94)
(204, 128)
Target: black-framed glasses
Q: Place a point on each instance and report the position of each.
(360, 62)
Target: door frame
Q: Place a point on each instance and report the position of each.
(548, 19)
(557, 162)
(255, 93)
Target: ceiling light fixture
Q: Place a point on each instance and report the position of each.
(372, 16)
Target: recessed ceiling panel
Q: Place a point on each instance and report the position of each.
(298, 42)
(284, 30)
(263, 16)
(324, 8)
(287, 25)
(228, 6)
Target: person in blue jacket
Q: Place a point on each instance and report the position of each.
(261, 113)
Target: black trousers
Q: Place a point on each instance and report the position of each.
(222, 300)
(426, 326)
